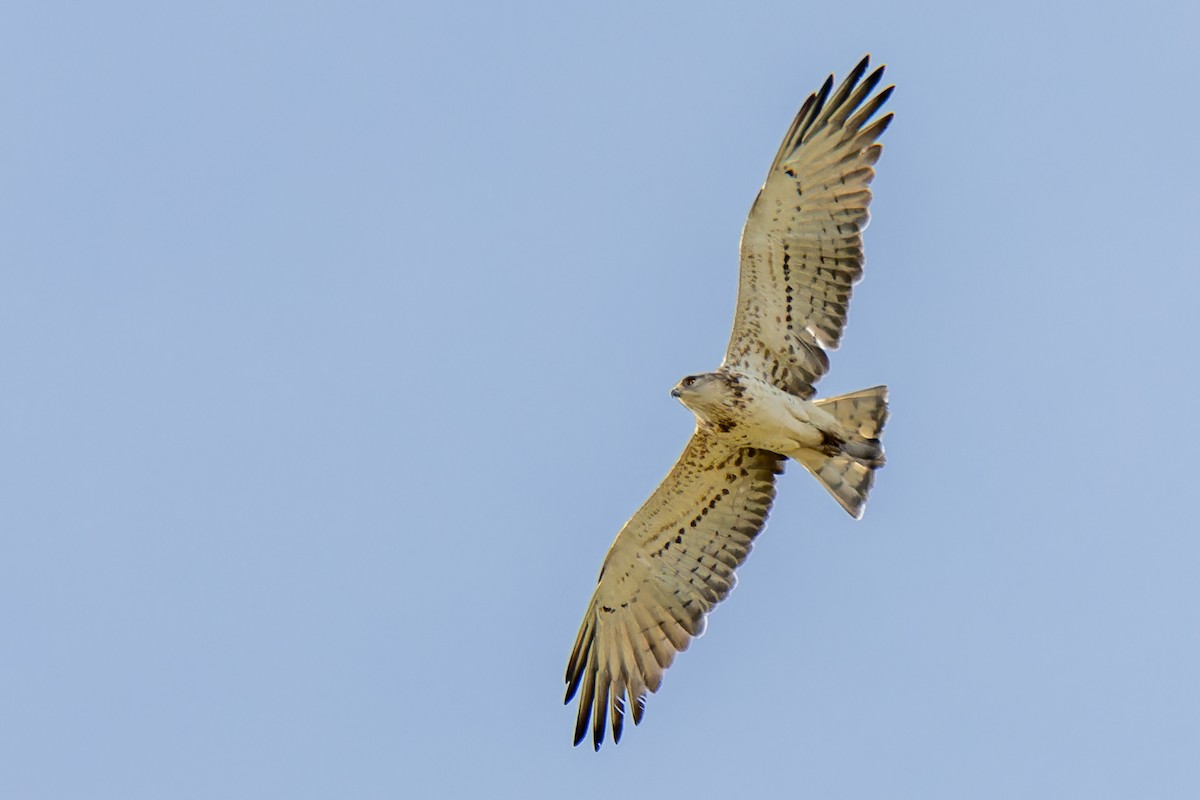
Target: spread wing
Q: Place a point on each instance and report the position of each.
(671, 563)
(802, 248)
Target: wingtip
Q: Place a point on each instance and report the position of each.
(859, 70)
(572, 687)
(639, 709)
(866, 62)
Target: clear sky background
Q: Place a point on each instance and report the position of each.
(336, 341)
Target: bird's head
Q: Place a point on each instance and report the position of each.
(708, 393)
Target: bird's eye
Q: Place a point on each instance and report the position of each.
(688, 381)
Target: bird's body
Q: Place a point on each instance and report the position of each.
(674, 560)
(836, 439)
(748, 412)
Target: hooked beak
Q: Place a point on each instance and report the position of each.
(675, 392)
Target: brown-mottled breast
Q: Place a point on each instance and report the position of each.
(801, 249)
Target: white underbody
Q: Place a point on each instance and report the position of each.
(763, 416)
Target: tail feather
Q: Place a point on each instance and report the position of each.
(849, 474)
(864, 412)
(846, 478)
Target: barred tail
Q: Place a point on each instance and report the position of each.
(850, 473)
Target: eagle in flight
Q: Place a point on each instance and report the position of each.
(673, 561)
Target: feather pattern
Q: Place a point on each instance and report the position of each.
(669, 566)
(801, 250)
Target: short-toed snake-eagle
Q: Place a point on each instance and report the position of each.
(801, 252)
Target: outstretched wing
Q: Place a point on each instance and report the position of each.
(671, 563)
(802, 248)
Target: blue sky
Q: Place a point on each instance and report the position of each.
(337, 341)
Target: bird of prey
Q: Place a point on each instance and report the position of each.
(673, 561)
